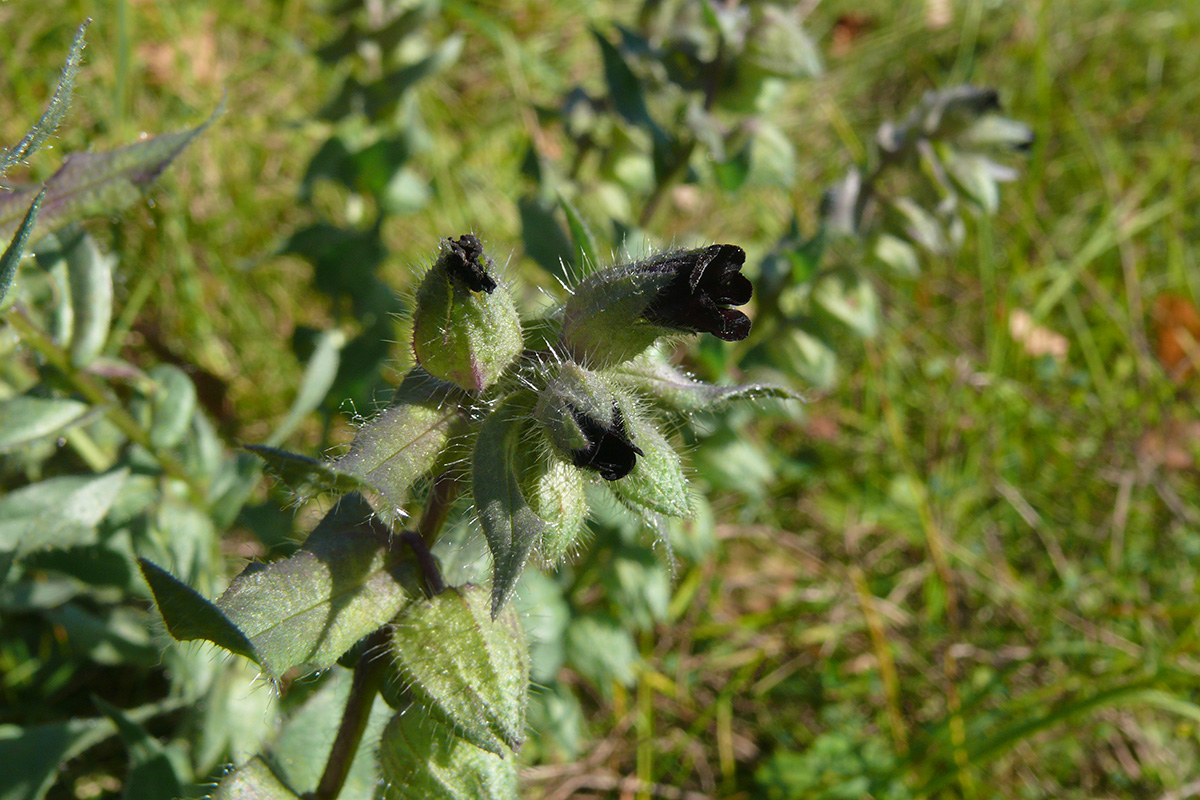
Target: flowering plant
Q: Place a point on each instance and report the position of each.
(526, 421)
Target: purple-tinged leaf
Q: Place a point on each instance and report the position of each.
(94, 184)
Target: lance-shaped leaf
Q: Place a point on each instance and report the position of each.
(12, 253)
(307, 476)
(421, 759)
(253, 781)
(151, 773)
(405, 440)
(670, 388)
(470, 670)
(56, 109)
(189, 616)
(24, 419)
(57, 512)
(93, 184)
(318, 378)
(349, 578)
(509, 523)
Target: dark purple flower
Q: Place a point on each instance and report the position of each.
(609, 450)
(706, 283)
(465, 260)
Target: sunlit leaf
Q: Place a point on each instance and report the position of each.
(57, 512)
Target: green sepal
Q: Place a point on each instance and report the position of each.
(420, 761)
(554, 489)
(471, 671)
(657, 482)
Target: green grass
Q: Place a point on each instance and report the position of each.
(976, 573)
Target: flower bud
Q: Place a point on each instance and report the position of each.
(617, 313)
(465, 329)
(581, 415)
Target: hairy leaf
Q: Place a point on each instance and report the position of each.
(16, 248)
(510, 525)
(56, 109)
(420, 760)
(307, 476)
(405, 440)
(253, 781)
(652, 375)
(349, 578)
(189, 616)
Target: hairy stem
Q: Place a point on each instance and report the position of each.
(368, 677)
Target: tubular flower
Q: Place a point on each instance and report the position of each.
(698, 298)
(617, 313)
(582, 416)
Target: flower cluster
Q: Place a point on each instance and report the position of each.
(545, 420)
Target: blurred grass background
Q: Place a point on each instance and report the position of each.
(976, 550)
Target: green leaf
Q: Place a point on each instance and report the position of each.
(922, 228)
(235, 717)
(299, 752)
(585, 242)
(58, 512)
(348, 579)
(24, 419)
(110, 636)
(55, 111)
(95, 184)
(554, 490)
(898, 254)
(172, 404)
(253, 781)
(419, 761)
(32, 755)
(151, 774)
(307, 476)
(16, 248)
(653, 376)
(90, 274)
(405, 440)
(624, 88)
(511, 527)
(995, 131)
(544, 239)
(189, 616)
(314, 385)
(851, 300)
(978, 178)
(602, 651)
(471, 669)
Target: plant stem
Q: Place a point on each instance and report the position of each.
(437, 506)
(98, 395)
(368, 677)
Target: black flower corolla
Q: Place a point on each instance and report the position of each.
(705, 285)
(465, 260)
(609, 449)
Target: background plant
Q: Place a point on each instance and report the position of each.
(947, 427)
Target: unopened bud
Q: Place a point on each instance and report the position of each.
(465, 329)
